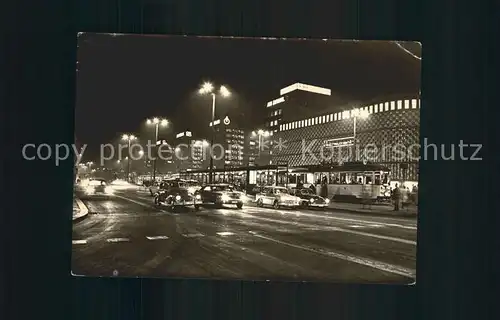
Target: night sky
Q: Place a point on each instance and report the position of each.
(124, 80)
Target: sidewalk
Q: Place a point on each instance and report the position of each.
(80, 210)
(378, 209)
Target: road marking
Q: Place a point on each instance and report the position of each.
(157, 238)
(328, 216)
(356, 226)
(366, 234)
(150, 206)
(225, 233)
(359, 260)
(118, 240)
(376, 225)
(79, 241)
(193, 235)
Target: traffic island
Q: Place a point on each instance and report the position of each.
(80, 210)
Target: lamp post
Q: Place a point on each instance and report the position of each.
(156, 122)
(207, 88)
(363, 114)
(129, 138)
(261, 133)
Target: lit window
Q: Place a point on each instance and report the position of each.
(414, 103)
(386, 106)
(346, 114)
(419, 105)
(400, 104)
(407, 104)
(323, 119)
(294, 125)
(335, 117)
(370, 109)
(376, 108)
(309, 122)
(316, 120)
(331, 117)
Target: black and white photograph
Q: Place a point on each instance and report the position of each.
(246, 158)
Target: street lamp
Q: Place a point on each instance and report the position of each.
(260, 134)
(156, 122)
(129, 138)
(208, 88)
(362, 114)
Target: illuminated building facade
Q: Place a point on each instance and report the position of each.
(299, 97)
(229, 142)
(388, 134)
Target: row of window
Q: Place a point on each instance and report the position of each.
(381, 107)
(273, 123)
(275, 113)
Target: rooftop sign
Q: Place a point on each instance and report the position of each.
(275, 102)
(306, 87)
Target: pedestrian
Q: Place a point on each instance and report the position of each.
(313, 188)
(396, 196)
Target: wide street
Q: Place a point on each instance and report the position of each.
(128, 236)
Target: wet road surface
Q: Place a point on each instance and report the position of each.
(128, 236)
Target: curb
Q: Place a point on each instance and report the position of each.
(84, 211)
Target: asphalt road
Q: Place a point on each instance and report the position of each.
(127, 236)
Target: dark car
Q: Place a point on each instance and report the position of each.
(175, 197)
(94, 188)
(219, 195)
(309, 199)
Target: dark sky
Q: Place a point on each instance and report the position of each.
(123, 80)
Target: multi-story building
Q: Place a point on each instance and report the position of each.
(385, 125)
(229, 141)
(189, 153)
(299, 97)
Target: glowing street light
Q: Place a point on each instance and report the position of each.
(208, 88)
(157, 123)
(261, 133)
(129, 138)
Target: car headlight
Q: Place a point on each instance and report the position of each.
(198, 197)
(311, 200)
(327, 200)
(224, 197)
(178, 198)
(108, 190)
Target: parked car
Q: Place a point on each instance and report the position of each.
(309, 199)
(175, 197)
(220, 195)
(277, 197)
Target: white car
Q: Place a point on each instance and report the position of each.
(277, 197)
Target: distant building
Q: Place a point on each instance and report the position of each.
(229, 143)
(189, 153)
(258, 147)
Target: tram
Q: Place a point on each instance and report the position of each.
(350, 182)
